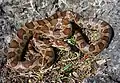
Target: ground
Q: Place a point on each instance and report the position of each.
(103, 68)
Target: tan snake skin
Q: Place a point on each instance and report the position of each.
(33, 45)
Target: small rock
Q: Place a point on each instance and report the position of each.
(75, 74)
(100, 62)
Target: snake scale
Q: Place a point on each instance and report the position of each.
(33, 45)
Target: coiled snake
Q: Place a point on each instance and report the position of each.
(33, 45)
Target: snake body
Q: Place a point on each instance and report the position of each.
(33, 45)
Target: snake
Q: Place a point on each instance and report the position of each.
(32, 46)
